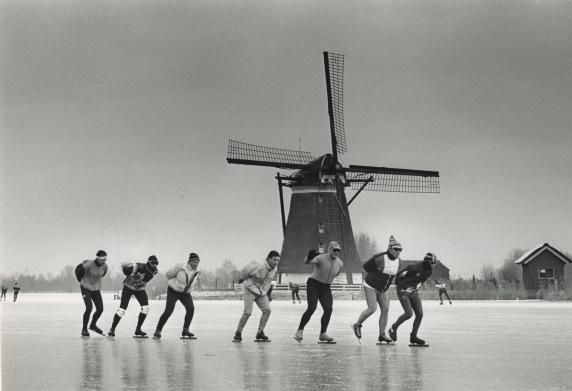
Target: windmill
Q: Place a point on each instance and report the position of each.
(319, 210)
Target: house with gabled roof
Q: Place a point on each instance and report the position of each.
(543, 266)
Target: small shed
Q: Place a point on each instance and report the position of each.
(440, 271)
(543, 266)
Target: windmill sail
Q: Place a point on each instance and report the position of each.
(334, 67)
(257, 155)
(393, 179)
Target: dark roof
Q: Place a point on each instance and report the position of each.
(537, 250)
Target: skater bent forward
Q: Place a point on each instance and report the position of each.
(89, 274)
(257, 280)
(138, 275)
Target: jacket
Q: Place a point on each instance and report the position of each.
(91, 279)
(376, 277)
(181, 278)
(258, 277)
(137, 276)
(413, 275)
(325, 268)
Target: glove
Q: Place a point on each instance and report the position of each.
(312, 254)
(240, 281)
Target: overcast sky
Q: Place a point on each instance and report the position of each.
(116, 117)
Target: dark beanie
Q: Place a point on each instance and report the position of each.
(101, 253)
(153, 258)
(273, 253)
(194, 256)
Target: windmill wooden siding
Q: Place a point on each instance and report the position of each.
(543, 266)
(310, 207)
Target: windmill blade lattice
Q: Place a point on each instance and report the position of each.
(257, 155)
(334, 66)
(395, 180)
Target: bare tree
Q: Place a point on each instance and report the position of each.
(509, 271)
(366, 246)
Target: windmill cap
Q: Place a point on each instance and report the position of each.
(334, 245)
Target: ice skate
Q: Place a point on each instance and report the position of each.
(393, 333)
(357, 331)
(157, 334)
(299, 336)
(261, 337)
(84, 333)
(186, 334)
(415, 341)
(325, 338)
(111, 333)
(96, 329)
(384, 339)
(140, 334)
(237, 337)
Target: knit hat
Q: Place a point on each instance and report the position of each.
(101, 253)
(393, 243)
(193, 256)
(333, 245)
(430, 257)
(153, 259)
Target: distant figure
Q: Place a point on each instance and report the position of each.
(256, 279)
(295, 288)
(442, 291)
(16, 289)
(180, 280)
(4, 291)
(326, 267)
(138, 275)
(381, 270)
(269, 293)
(408, 281)
(89, 274)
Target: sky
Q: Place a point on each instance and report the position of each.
(116, 115)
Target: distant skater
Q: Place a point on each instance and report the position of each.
(89, 274)
(442, 291)
(16, 289)
(180, 280)
(256, 279)
(295, 288)
(138, 275)
(408, 281)
(381, 270)
(4, 292)
(327, 266)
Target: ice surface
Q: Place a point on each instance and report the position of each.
(521, 345)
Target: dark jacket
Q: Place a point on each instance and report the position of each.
(413, 275)
(375, 277)
(138, 275)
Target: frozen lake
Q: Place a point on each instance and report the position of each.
(488, 345)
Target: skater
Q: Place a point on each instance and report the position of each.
(4, 292)
(407, 283)
(327, 266)
(180, 279)
(442, 291)
(138, 275)
(381, 270)
(295, 288)
(257, 279)
(16, 289)
(89, 274)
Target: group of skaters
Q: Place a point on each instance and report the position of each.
(382, 270)
(15, 289)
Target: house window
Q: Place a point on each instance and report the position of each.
(321, 247)
(546, 273)
(321, 228)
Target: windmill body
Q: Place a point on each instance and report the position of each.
(319, 210)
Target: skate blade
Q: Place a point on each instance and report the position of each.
(418, 346)
(140, 336)
(297, 340)
(328, 342)
(236, 341)
(262, 340)
(385, 343)
(188, 337)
